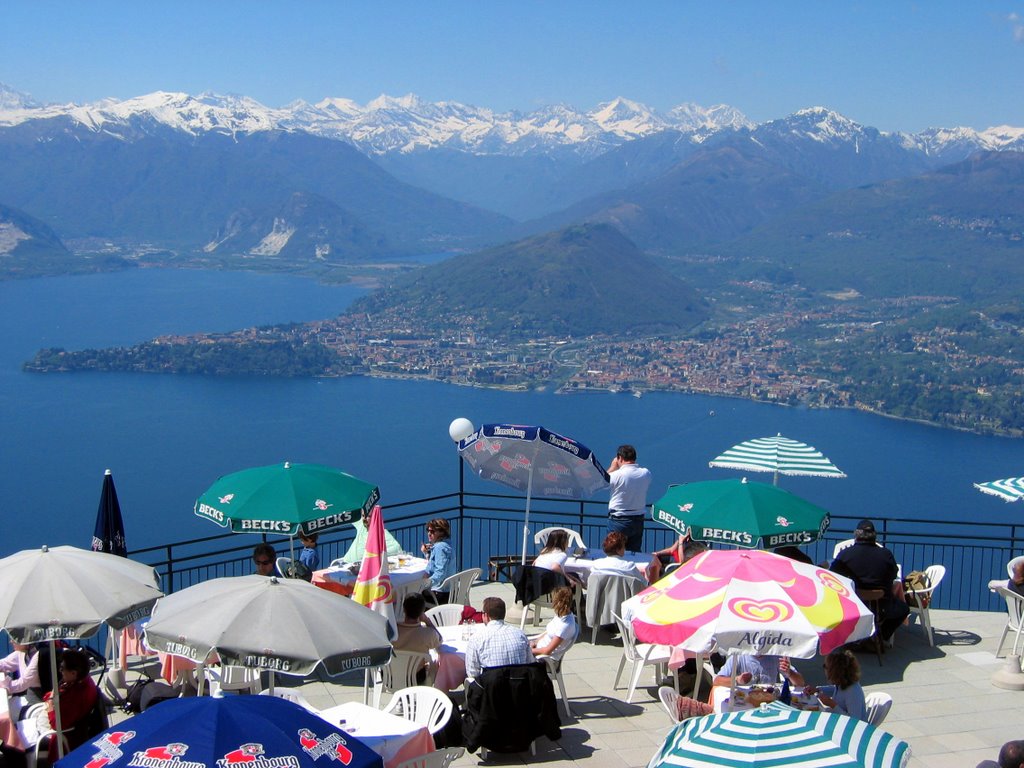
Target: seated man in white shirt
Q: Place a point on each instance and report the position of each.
(498, 644)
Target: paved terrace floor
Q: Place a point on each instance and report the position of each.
(944, 703)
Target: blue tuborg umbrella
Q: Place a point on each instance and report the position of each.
(204, 732)
(534, 460)
(108, 535)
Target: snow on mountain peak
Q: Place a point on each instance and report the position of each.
(819, 124)
(627, 119)
(408, 102)
(695, 118)
(11, 99)
(408, 123)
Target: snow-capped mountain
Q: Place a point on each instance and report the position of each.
(11, 100)
(384, 125)
(408, 124)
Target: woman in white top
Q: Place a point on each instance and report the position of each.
(614, 547)
(561, 631)
(555, 551)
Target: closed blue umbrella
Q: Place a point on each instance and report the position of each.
(243, 731)
(108, 536)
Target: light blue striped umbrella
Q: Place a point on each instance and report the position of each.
(777, 735)
(778, 455)
(1008, 489)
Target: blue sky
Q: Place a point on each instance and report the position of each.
(892, 64)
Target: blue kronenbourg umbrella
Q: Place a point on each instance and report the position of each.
(534, 460)
(108, 535)
(242, 731)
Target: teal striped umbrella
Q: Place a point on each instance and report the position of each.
(778, 455)
(1008, 489)
(778, 735)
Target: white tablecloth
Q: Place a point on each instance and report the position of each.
(411, 577)
(451, 656)
(394, 738)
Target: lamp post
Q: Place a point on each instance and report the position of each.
(459, 430)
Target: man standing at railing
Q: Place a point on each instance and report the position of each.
(628, 501)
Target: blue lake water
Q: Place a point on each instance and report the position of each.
(166, 437)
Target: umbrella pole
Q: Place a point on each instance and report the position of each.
(526, 521)
(56, 698)
(271, 682)
(700, 674)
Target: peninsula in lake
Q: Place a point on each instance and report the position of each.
(583, 309)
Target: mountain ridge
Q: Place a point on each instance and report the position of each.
(408, 123)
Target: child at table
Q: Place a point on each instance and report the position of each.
(845, 694)
(308, 556)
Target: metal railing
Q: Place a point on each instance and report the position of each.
(486, 525)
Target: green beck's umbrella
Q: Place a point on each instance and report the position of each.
(776, 735)
(741, 513)
(288, 499)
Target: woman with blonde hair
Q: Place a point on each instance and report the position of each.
(560, 633)
(845, 694)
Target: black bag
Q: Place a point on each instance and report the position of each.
(145, 693)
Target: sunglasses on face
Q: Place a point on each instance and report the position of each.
(262, 562)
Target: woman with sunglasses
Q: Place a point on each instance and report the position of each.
(440, 558)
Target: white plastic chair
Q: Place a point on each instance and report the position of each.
(670, 702)
(841, 546)
(540, 538)
(445, 615)
(290, 694)
(422, 705)
(232, 679)
(440, 758)
(924, 597)
(458, 585)
(640, 655)
(399, 673)
(877, 706)
(1014, 614)
(37, 743)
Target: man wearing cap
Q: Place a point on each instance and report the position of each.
(872, 566)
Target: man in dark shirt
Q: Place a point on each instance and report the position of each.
(871, 566)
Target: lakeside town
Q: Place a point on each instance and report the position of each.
(848, 352)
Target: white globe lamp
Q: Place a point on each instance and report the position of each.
(460, 429)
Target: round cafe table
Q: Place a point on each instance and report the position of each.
(405, 579)
(451, 656)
